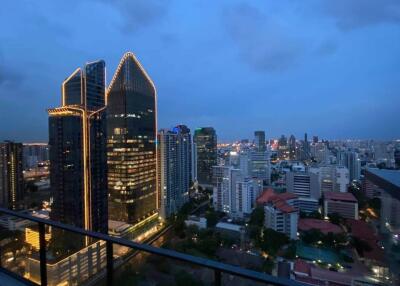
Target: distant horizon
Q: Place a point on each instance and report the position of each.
(226, 141)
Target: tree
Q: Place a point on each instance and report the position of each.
(311, 236)
(257, 217)
(290, 252)
(360, 245)
(268, 266)
(335, 218)
(375, 203)
(212, 217)
(272, 241)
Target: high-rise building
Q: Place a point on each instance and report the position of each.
(34, 153)
(174, 147)
(259, 166)
(131, 143)
(303, 184)
(306, 186)
(319, 152)
(292, 147)
(351, 161)
(206, 143)
(283, 149)
(224, 188)
(259, 140)
(306, 148)
(77, 142)
(11, 176)
(332, 178)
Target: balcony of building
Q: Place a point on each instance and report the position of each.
(44, 252)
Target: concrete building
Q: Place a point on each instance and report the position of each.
(345, 204)
(303, 184)
(385, 185)
(332, 178)
(224, 188)
(174, 169)
(247, 191)
(351, 161)
(200, 222)
(319, 151)
(71, 270)
(281, 213)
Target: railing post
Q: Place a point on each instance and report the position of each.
(110, 268)
(42, 254)
(217, 277)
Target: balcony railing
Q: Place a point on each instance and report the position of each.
(218, 268)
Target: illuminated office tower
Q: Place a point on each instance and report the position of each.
(131, 143)
(11, 176)
(77, 141)
(206, 143)
(174, 147)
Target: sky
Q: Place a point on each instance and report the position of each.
(326, 67)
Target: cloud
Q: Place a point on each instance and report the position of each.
(263, 42)
(8, 75)
(327, 48)
(138, 14)
(360, 13)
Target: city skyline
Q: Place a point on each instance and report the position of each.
(303, 72)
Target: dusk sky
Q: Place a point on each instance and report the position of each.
(328, 68)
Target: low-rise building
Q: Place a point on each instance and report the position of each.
(306, 224)
(281, 214)
(200, 222)
(344, 204)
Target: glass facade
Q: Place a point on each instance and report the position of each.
(72, 88)
(77, 142)
(11, 176)
(131, 146)
(206, 144)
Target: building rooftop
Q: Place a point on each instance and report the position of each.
(325, 227)
(337, 196)
(363, 231)
(265, 196)
(392, 176)
(228, 226)
(302, 267)
(279, 200)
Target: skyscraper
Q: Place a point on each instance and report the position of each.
(259, 140)
(11, 176)
(206, 143)
(283, 149)
(77, 142)
(131, 143)
(351, 161)
(292, 147)
(174, 147)
(34, 153)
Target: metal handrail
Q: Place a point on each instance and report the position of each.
(218, 267)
